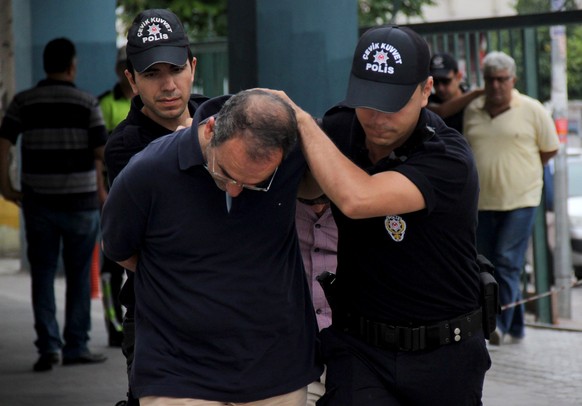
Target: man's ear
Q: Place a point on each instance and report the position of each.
(131, 81)
(193, 65)
(209, 128)
(427, 90)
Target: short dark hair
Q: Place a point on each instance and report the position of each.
(58, 55)
(263, 118)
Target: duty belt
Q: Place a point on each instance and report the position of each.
(409, 338)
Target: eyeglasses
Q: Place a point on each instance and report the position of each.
(226, 180)
(442, 81)
(500, 79)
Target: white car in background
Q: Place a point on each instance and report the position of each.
(574, 164)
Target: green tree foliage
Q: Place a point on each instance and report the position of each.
(542, 6)
(573, 49)
(201, 18)
(574, 62)
(378, 12)
(207, 18)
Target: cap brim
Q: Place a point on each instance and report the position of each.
(385, 97)
(440, 73)
(161, 54)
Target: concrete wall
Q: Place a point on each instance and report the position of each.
(90, 24)
(304, 47)
(313, 55)
(27, 26)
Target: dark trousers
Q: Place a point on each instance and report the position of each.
(112, 279)
(46, 228)
(502, 236)
(128, 349)
(361, 374)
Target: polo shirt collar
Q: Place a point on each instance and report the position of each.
(189, 151)
(515, 100)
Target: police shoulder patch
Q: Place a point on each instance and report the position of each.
(396, 227)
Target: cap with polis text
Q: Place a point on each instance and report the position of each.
(442, 64)
(156, 36)
(389, 63)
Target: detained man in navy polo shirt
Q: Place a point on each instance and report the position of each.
(205, 219)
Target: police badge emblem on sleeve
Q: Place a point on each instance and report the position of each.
(395, 227)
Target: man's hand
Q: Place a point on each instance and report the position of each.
(302, 116)
(283, 96)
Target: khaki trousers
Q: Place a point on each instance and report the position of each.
(297, 398)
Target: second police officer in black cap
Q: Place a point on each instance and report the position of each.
(407, 316)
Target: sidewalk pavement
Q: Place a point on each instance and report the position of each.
(545, 369)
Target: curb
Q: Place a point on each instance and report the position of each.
(9, 266)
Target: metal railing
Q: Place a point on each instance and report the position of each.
(524, 37)
(211, 77)
(527, 38)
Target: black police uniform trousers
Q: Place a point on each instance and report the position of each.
(361, 374)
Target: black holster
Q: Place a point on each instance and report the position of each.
(489, 291)
(489, 295)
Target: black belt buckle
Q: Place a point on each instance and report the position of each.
(411, 338)
(461, 328)
(406, 338)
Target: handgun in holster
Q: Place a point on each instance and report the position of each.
(489, 295)
(327, 281)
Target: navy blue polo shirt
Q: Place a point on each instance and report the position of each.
(417, 267)
(223, 310)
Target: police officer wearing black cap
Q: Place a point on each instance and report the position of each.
(160, 70)
(406, 309)
(450, 95)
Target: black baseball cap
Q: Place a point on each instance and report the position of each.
(156, 36)
(442, 64)
(389, 63)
